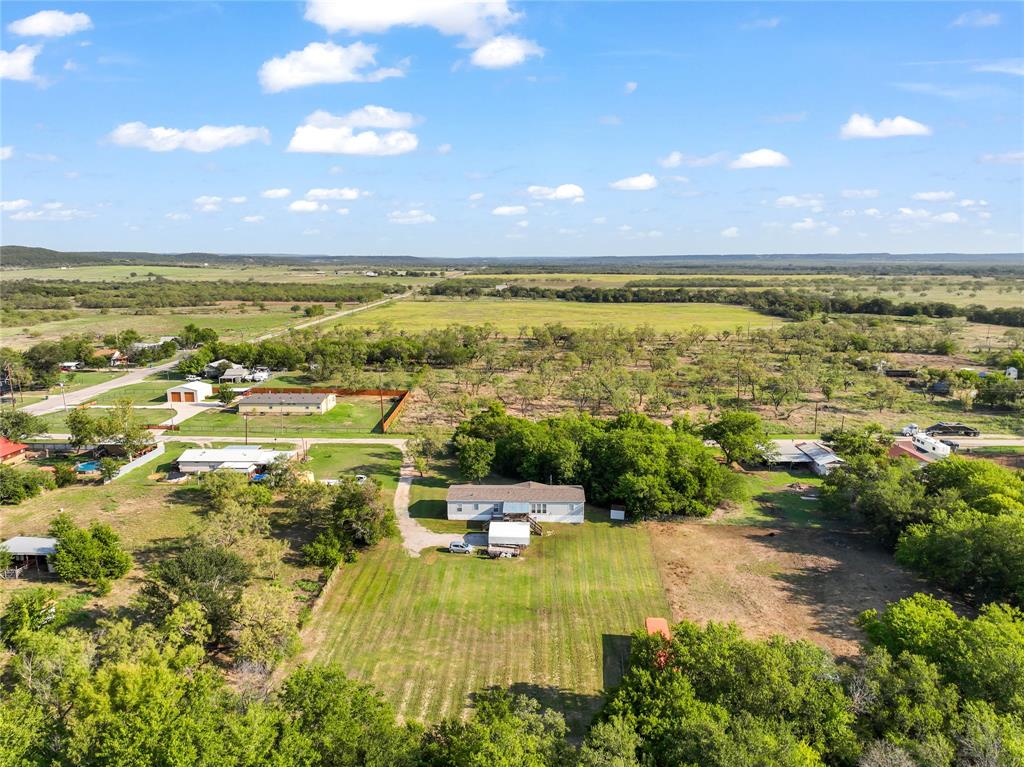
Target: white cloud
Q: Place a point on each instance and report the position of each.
(50, 24)
(630, 87)
(70, 66)
(472, 20)
(770, 23)
(208, 138)
(18, 64)
(342, 211)
(343, 193)
(320, 63)
(831, 231)
(848, 213)
(208, 203)
(804, 225)
(275, 194)
(972, 204)
(51, 214)
(812, 201)
(6, 152)
(523, 224)
(505, 51)
(322, 132)
(42, 156)
(872, 212)
(444, 149)
(306, 206)
(561, 192)
(1006, 158)
(310, 232)
(599, 220)
(933, 196)
(730, 232)
(238, 200)
(177, 216)
(252, 219)
(12, 205)
(948, 218)
(476, 196)
(410, 217)
(674, 159)
(509, 210)
(760, 158)
(915, 214)
(977, 19)
(1003, 67)
(860, 194)
(862, 126)
(641, 183)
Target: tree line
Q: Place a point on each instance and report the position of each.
(163, 292)
(791, 304)
(934, 689)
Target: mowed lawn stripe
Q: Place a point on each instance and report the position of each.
(433, 630)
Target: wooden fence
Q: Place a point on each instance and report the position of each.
(402, 395)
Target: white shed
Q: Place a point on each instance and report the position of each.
(193, 391)
(508, 534)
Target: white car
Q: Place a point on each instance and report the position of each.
(460, 547)
(361, 478)
(910, 430)
(193, 378)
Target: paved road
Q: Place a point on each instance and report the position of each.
(55, 403)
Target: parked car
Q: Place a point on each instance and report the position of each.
(460, 547)
(952, 443)
(193, 378)
(910, 430)
(952, 430)
(360, 478)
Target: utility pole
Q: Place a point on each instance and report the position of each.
(63, 397)
(815, 418)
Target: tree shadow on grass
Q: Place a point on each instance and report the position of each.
(579, 709)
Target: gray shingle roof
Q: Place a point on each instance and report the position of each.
(284, 399)
(529, 492)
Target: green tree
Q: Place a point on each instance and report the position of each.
(475, 457)
(92, 555)
(17, 425)
(741, 435)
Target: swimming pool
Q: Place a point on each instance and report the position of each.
(88, 466)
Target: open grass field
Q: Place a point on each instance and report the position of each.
(147, 416)
(352, 415)
(152, 391)
(140, 273)
(382, 462)
(231, 321)
(429, 632)
(510, 315)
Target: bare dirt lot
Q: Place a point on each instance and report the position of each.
(802, 583)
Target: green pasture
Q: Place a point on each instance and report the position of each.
(352, 415)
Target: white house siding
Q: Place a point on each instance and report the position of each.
(570, 513)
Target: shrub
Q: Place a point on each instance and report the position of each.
(92, 555)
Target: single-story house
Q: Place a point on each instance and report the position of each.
(192, 391)
(214, 369)
(287, 404)
(244, 458)
(816, 456)
(545, 503)
(234, 374)
(12, 452)
(114, 357)
(508, 534)
(29, 550)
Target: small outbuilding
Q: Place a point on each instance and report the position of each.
(617, 513)
(287, 404)
(193, 391)
(30, 551)
(815, 456)
(12, 452)
(508, 534)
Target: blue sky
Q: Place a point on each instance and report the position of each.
(502, 129)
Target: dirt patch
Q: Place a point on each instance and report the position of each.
(803, 584)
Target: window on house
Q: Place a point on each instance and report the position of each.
(458, 508)
(476, 507)
(538, 508)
